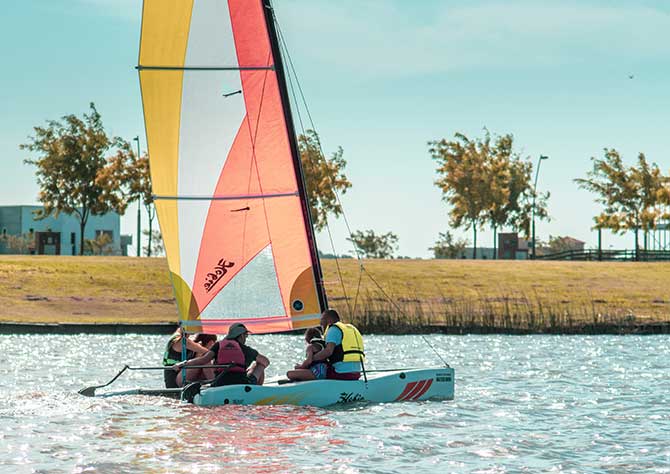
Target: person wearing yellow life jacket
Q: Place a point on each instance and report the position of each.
(344, 349)
(247, 365)
(172, 355)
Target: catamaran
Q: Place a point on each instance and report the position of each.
(230, 195)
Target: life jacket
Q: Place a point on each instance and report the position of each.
(230, 352)
(320, 344)
(351, 349)
(172, 357)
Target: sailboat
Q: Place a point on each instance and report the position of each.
(230, 195)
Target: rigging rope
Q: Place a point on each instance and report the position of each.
(362, 269)
(283, 46)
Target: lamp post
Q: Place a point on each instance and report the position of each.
(537, 174)
(139, 205)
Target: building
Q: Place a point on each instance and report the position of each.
(512, 247)
(20, 232)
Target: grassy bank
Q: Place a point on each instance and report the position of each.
(513, 295)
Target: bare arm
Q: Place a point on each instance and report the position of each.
(309, 353)
(262, 360)
(325, 353)
(202, 360)
(190, 345)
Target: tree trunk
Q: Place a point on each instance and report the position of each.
(474, 244)
(82, 226)
(637, 252)
(495, 242)
(150, 235)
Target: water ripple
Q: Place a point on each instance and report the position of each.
(523, 404)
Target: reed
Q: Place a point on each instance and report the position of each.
(518, 314)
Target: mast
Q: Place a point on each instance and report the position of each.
(295, 153)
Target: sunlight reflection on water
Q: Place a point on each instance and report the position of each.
(523, 403)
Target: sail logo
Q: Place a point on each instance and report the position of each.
(350, 398)
(215, 275)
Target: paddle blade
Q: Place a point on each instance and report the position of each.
(88, 391)
(190, 391)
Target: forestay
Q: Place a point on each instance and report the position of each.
(225, 169)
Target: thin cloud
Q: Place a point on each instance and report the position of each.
(380, 36)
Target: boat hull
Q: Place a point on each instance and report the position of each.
(395, 386)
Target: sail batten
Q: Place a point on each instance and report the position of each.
(227, 198)
(205, 68)
(225, 177)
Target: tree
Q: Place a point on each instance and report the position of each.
(101, 245)
(324, 178)
(372, 245)
(463, 180)
(631, 196)
(484, 180)
(558, 244)
(448, 247)
(71, 168)
(20, 243)
(155, 239)
(130, 173)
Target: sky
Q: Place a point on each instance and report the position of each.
(381, 79)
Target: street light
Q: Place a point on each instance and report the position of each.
(537, 174)
(139, 204)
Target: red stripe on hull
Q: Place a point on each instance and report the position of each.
(408, 388)
(425, 388)
(417, 389)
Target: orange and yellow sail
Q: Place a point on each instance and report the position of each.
(224, 170)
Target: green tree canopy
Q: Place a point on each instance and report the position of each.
(447, 246)
(485, 181)
(324, 178)
(130, 173)
(71, 168)
(632, 196)
(372, 245)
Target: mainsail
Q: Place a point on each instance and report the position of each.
(225, 167)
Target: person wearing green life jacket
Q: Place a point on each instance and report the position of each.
(344, 349)
(172, 355)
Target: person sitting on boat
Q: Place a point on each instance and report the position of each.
(195, 375)
(344, 348)
(309, 369)
(172, 355)
(247, 365)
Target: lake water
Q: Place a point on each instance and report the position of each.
(523, 404)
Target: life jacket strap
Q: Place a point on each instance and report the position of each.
(354, 351)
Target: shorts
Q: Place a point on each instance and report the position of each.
(170, 378)
(333, 375)
(236, 378)
(319, 370)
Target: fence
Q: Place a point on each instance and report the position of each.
(609, 255)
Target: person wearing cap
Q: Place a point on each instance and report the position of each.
(247, 365)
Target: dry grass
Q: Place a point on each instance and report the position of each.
(538, 295)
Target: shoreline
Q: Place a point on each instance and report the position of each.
(660, 328)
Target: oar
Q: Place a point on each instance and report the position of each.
(90, 391)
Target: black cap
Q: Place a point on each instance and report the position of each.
(236, 330)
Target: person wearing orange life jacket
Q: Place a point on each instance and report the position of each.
(344, 348)
(247, 364)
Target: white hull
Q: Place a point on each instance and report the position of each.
(386, 387)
